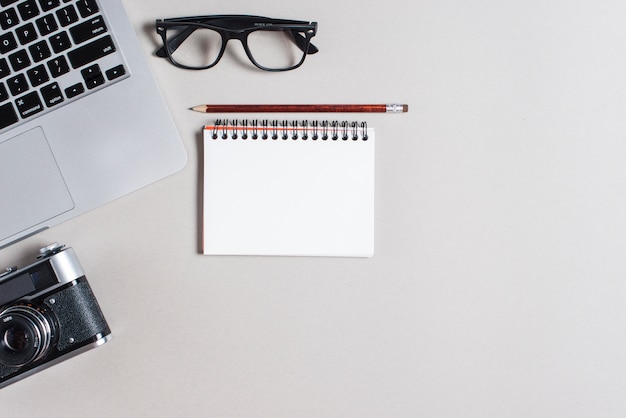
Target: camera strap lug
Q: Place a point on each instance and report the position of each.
(8, 271)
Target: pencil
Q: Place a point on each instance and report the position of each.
(303, 108)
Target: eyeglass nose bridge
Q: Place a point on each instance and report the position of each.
(242, 37)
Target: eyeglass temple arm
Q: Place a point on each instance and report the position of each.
(174, 42)
(300, 41)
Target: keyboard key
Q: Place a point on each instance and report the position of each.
(91, 52)
(47, 5)
(91, 71)
(26, 34)
(87, 7)
(7, 43)
(28, 9)
(94, 82)
(4, 68)
(40, 51)
(52, 94)
(18, 84)
(60, 42)
(37, 75)
(4, 94)
(87, 30)
(74, 90)
(19, 60)
(29, 105)
(67, 15)
(7, 2)
(7, 115)
(58, 66)
(8, 18)
(116, 72)
(47, 24)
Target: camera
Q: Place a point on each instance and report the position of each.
(48, 314)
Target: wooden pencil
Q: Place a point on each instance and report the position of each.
(303, 108)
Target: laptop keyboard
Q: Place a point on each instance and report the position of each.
(52, 52)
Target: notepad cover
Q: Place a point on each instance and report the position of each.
(288, 197)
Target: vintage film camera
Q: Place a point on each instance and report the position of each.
(48, 314)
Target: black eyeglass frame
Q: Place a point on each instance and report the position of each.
(235, 27)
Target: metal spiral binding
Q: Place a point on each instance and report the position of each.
(255, 129)
(305, 129)
(285, 130)
(294, 129)
(334, 127)
(244, 129)
(225, 130)
(344, 130)
(315, 125)
(216, 127)
(233, 129)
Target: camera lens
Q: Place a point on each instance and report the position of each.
(25, 335)
(16, 339)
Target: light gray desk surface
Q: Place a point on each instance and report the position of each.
(498, 284)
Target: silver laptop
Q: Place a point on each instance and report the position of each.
(82, 121)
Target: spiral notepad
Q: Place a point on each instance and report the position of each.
(288, 188)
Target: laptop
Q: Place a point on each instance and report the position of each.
(82, 121)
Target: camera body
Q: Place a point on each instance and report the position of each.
(48, 314)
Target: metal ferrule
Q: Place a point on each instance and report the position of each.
(395, 108)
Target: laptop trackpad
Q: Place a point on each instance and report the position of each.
(31, 184)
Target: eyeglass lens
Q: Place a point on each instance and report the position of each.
(269, 48)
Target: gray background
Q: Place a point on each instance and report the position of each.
(497, 287)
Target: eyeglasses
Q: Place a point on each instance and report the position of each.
(198, 43)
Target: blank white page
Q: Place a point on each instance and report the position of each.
(299, 197)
